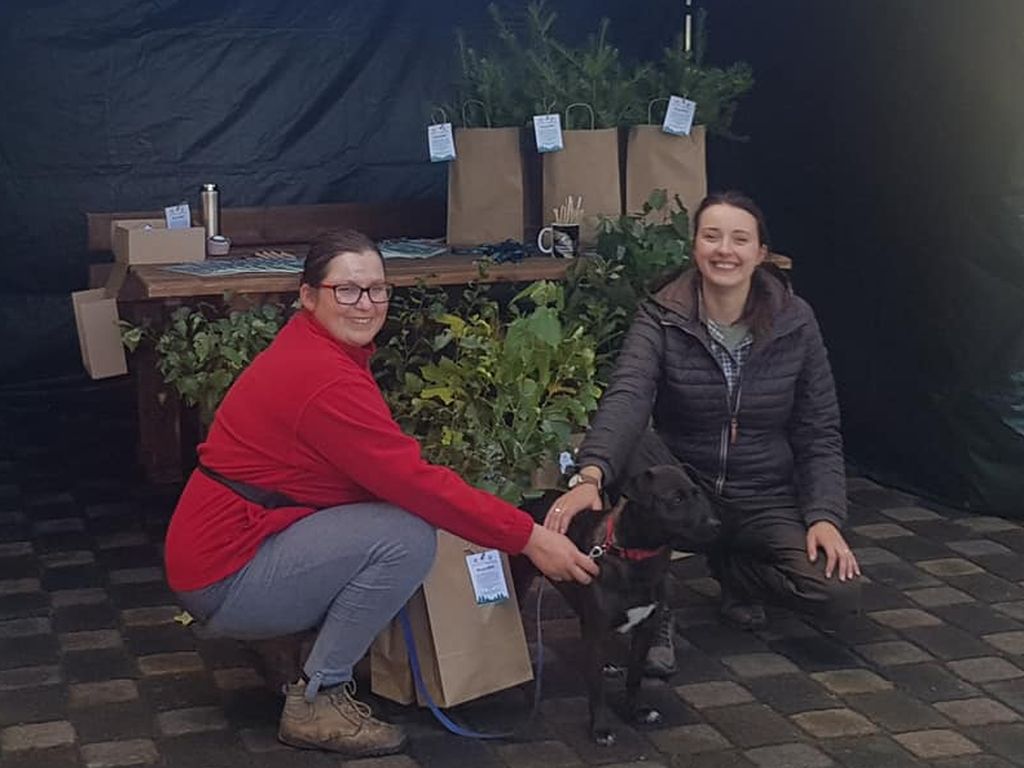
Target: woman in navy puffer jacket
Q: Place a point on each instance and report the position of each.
(728, 368)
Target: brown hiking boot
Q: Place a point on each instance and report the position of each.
(335, 720)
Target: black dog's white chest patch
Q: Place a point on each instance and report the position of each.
(634, 616)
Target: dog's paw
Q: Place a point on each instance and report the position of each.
(647, 716)
(604, 737)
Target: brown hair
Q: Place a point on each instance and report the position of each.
(757, 313)
(330, 244)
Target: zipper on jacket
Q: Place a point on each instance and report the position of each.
(730, 431)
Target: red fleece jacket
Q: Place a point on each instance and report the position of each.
(306, 418)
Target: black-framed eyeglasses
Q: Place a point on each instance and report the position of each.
(349, 293)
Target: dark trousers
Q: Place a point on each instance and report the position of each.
(762, 554)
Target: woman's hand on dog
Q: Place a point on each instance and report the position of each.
(571, 503)
(838, 557)
(557, 557)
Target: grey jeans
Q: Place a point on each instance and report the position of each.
(346, 570)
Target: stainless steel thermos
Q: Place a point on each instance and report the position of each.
(209, 196)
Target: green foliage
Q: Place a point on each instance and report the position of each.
(633, 250)
(530, 71)
(490, 398)
(201, 351)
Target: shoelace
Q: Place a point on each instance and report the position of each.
(347, 694)
(666, 628)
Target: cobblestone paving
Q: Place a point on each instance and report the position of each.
(95, 672)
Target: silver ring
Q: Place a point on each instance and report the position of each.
(844, 551)
(557, 509)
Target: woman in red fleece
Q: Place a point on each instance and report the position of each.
(311, 508)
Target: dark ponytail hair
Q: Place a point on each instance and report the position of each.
(326, 246)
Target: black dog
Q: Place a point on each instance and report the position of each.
(661, 509)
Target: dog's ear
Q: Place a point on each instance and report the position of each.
(640, 486)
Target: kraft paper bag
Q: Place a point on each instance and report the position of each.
(485, 187)
(659, 160)
(588, 166)
(465, 650)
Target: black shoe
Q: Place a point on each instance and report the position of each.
(661, 657)
(741, 613)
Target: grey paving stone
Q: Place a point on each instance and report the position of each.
(930, 682)
(847, 681)
(91, 640)
(1007, 642)
(65, 598)
(914, 548)
(238, 678)
(937, 743)
(15, 549)
(870, 752)
(713, 694)
(816, 653)
(792, 693)
(21, 738)
(24, 627)
(111, 754)
(1003, 739)
(689, 740)
(892, 653)
(121, 539)
(82, 695)
(976, 547)
(950, 566)
(136, 575)
(751, 725)
(538, 754)
(171, 663)
(159, 614)
(947, 642)
(19, 586)
(404, 761)
(977, 618)
(986, 669)
(870, 556)
(261, 740)
(789, 756)
(1010, 692)
(721, 640)
(67, 559)
(58, 525)
(902, 618)
(191, 720)
(984, 524)
(980, 711)
(759, 665)
(935, 596)
(881, 531)
(971, 761)
(29, 677)
(834, 723)
(896, 711)
(988, 588)
(910, 514)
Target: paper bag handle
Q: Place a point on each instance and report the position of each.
(580, 104)
(650, 106)
(466, 103)
(439, 110)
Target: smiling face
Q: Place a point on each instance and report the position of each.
(355, 324)
(727, 247)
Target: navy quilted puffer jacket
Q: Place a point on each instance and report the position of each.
(786, 448)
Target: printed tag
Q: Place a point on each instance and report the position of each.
(441, 142)
(565, 462)
(679, 116)
(548, 131)
(488, 577)
(178, 216)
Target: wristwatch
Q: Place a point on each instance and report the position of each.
(581, 478)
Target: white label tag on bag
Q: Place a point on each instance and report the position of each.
(548, 131)
(441, 142)
(679, 116)
(488, 577)
(178, 216)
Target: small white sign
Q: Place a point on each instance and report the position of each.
(548, 131)
(679, 116)
(178, 216)
(488, 577)
(441, 142)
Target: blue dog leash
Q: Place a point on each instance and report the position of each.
(439, 714)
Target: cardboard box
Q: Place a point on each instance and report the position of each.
(149, 241)
(99, 334)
